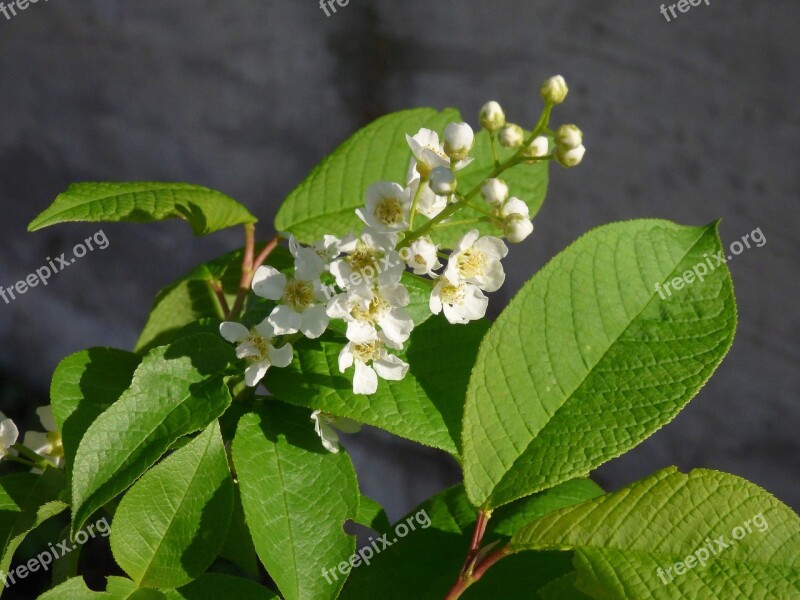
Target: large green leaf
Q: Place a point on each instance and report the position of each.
(118, 588)
(435, 548)
(26, 501)
(83, 386)
(140, 202)
(325, 202)
(177, 389)
(741, 540)
(170, 526)
(214, 586)
(588, 360)
(296, 499)
(425, 407)
(563, 588)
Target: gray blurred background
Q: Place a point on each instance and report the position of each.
(690, 120)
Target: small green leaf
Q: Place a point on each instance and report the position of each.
(434, 549)
(325, 202)
(83, 386)
(215, 586)
(741, 539)
(425, 407)
(371, 514)
(177, 389)
(169, 527)
(588, 360)
(26, 501)
(296, 499)
(141, 202)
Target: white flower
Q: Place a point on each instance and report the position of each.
(302, 302)
(326, 425)
(462, 302)
(569, 136)
(365, 309)
(255, 346)
(329, 247)
(428, 203)
(367, 259)
(422, 256)
(476, 260)
(429, 153)
(8, 435)
(387, 207)
(554, 90)
(46, 444)
(537, 148)
(570, 157)
(492, 116)
(458, 140)
(511, 136)
(443, 181)
(495, 191)
(513, 206)
(308, 263)
(371, 361)
(517, 227)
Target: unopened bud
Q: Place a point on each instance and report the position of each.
(554, 90)
(495, 191)
(443, 181)
(570, 157)
(492, 116)
(511, 136)
(516, 228)
(569, 136)
(537, 148)
(458, 140)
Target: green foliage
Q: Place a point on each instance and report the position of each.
(205, 210)
(588, 360)
(296, 499)
(617, 557)
(213, 586)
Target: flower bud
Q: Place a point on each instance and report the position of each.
(554, 90)
(492, 116)
(537, 148)
(570, 157)
(458, 140)
(516, 228)
(511, 136)
(569, 136)
(443, 181)
(495, 191)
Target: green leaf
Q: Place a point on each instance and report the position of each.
(588, 360)
(324, 203)
(371, 514)
(435, 553)
(84, 385)
(621, 540)
(141, 202)
(213, 586)
(296, 499)
(177, 389)
(191, 298)
(425, 407)
(525, 181)
(26, 501)
(238, 545)
(562, 588)
(170, 526)
(118, 588)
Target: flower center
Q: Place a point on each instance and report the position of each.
(389, 211)
(472, 262)
(451, 294)
(299, 294)
(367, 352)
(260, 343)
(56, 447)
(371, 313)
(364, 260)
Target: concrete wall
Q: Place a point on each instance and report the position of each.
(690, 120)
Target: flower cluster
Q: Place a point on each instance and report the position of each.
(359, 279)
(38, 448)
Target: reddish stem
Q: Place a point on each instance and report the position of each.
(477, 537)
(249, 267)
(467, 579)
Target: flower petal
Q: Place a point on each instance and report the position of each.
(280, 357)
(269, 283)
(255, 373)
(285, 320)
(314, 321)
(46, 417)
(233, 332)
(391, 367)
(365, 380)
